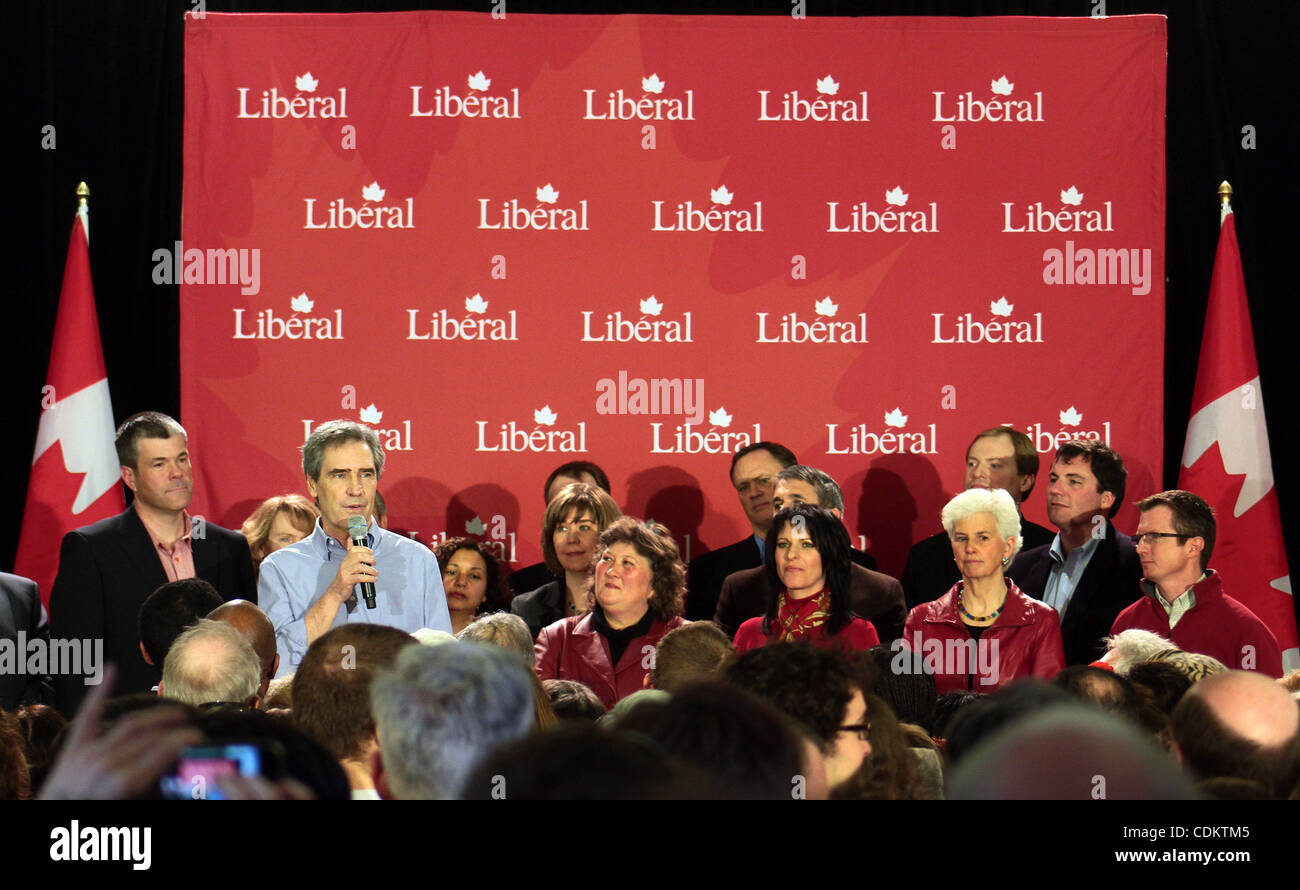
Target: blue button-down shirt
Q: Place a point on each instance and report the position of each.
(1066, 572)
(408, 589)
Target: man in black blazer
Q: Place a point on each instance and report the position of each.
(1090, 571)
(997, 458)
(21, 610)
(106, 570)
(753, 475)
(874, 595)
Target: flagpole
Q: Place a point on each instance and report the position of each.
(83, 209)
(1225, 201)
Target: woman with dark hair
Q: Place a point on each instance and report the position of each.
(637, 598)
(807, 561)
(984, 633)
(278, 522)
(571, 529)
(473, 579)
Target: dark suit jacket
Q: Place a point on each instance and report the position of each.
(529, 578)
(21, 610)
(106, 571)
(706, 573)
(1108, 586)
(931, 571)
(874, 596)
(540, 607)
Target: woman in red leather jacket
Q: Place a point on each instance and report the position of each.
(637, 598)
(984, 633)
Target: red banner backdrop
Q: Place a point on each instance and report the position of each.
(647, 241)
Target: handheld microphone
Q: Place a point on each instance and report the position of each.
(357, 531)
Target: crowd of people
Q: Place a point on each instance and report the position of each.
(315, 654)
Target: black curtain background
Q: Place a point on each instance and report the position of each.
(107, 75)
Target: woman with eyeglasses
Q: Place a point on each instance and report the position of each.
(636, 598)
(984, 633)
(807, 561)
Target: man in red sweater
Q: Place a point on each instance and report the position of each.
(1183, 599)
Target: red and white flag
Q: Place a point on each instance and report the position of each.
(74, 470)
(1226, 457)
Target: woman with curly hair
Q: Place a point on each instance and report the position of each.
(637, 597)
(473, 579)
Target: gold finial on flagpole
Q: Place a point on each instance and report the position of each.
(1225, 192)
(83, 192)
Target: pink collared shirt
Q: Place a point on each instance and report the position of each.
(178, 559)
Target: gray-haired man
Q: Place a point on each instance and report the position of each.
(309, 587)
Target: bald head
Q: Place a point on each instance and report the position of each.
(1242, 725)
(252, 622)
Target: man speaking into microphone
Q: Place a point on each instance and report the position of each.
(323, 580)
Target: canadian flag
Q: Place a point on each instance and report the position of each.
(74, 470)
(1226, 457)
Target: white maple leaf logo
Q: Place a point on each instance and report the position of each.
(306, 83)
(479, 82)
(476, 304)
(825, 306)
(652, 84)
(1001, 86)
(896, 196)
(720, 417)
(651, 306)
(895, 418)
(475, 526)
(1071, 196)
(1000, 306)
(1235, 422)
(1070, 417)
(720, 195)
(302, 303)
(544, 415)
(371, 414)
(547, 195)
(373, 192)
(827, 86)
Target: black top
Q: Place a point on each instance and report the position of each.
(619, 639)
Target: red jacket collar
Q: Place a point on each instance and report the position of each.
(1017, 611)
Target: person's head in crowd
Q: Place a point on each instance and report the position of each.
(574, 471)
(1240, 724)
(473, 579)
(980, 720)
(1106, 689)
(342, 463)
(948, 706)
(695, 651)
(331, 691)
(1087, 480)
(576, 761)
(1067, 752)
(1159, 688)
(252, 622)
(278, 522)
(638, 570)
(808, 552)
(305, 759)
(754, 469)
(571, 700)
(380, 511)
(905, 683)
(823, 690)
(1174, 540)
(169, 610)
(1004, 458)
(211, 662)
(977, 511)
(41, 726)
(571, 529)
(1133, 646)
(503, 630)
(15, 775)
(1193, 665)
(153, 452)
(1291, 681)
(279, 695)
(890, 772)
(613, 718)
(750, 749)
(440, 711)
(800, 484)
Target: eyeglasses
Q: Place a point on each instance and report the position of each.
(1151, 537)
(863, 730)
